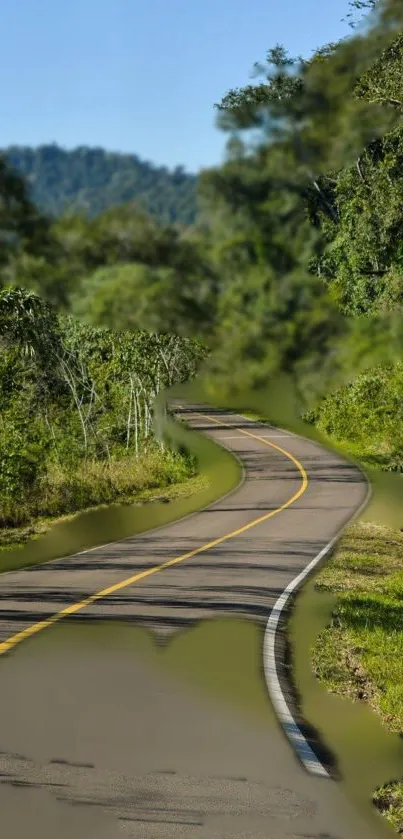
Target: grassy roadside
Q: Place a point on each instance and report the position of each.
(66, 492)
(16, 537)
(203, 472)
(360, 655)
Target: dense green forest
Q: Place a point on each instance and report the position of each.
(91, 180)
(60, 258)
(294, 266)
(314, 215)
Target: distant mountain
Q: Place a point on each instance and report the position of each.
(90, 180)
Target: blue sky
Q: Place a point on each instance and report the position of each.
(142, 75)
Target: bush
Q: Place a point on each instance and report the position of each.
(66, 489)
(22, 463)
(367, 412)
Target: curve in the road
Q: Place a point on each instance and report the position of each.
(7, 645)
(300, 744)
(331, 479)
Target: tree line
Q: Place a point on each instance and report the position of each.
(294, 266)
(89, 181)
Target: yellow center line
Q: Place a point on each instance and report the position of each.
(6, 646)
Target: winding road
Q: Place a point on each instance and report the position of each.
(135, 751)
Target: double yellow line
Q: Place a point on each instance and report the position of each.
(10, 643)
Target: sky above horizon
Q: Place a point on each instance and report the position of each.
(143, 77)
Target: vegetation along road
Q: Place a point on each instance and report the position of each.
(108, 730)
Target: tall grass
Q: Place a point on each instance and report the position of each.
(360, 655)
(68, 489)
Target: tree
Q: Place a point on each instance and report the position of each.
(360, 6)
(156, 299)
(22, 226)
(245, 107)
(278, 211)
(28, 322)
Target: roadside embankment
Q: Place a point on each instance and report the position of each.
(360, 654)
(64, 492)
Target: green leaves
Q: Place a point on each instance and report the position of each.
(99, 384)
(22, 461)
(28, 322)
(22, 227)
(247, 107)
(156, 299)
(306, 219)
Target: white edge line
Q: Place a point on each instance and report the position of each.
(299, 743)
(292, 731)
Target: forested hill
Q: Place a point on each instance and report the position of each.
(91, 180)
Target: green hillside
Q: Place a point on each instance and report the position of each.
(91, 180)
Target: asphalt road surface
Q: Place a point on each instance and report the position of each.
(98, 742)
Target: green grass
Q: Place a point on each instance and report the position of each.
(360, 655)
(65, 492)
(389, 801)
(103, 482)
(369, 452)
